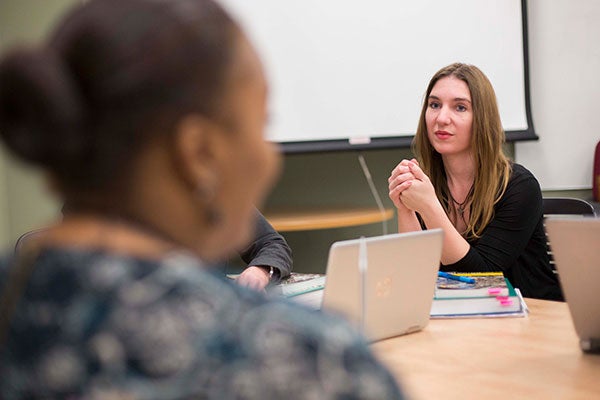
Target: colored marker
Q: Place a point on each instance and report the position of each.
(465, 279)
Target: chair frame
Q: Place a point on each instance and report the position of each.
(567, 206)
(564, 206)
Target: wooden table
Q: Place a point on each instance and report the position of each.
(536, 357)
(287, 220)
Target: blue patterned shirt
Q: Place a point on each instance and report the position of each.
(94, 325)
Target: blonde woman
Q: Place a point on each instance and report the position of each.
(489, 208)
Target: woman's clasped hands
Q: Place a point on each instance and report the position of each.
(409, 188)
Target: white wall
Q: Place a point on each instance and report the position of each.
(564, 40)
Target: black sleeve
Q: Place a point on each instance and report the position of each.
(516, 216)
(269, 248)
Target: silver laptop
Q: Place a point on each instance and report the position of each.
(575, 245)
(399, 272)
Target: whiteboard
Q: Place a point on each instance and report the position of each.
(353, 70)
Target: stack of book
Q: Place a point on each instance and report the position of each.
(489, 295)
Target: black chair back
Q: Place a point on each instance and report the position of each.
(565, 206)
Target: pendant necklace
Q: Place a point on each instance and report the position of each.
(460, 207)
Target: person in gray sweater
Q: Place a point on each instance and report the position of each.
(268, 256)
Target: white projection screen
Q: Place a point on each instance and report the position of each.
(349, 74)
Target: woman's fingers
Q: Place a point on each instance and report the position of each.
(399, 179)
(395, 192)
(402, 167)
(417, 172)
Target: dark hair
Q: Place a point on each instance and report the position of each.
(114, 73)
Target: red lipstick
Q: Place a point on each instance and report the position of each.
(443, 135)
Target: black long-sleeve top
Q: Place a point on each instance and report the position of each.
(514, 242)
(268, 248)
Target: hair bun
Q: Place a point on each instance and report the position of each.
(40, 111)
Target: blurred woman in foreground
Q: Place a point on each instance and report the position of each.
(148, 117)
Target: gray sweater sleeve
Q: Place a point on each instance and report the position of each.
(268, 248)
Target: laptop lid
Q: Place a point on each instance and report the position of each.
(575, 245)
(400, 272)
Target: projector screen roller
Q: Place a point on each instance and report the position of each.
(349, 74)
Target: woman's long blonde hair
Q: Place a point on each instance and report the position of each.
(492, 167)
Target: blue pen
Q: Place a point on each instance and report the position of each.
(465, 279)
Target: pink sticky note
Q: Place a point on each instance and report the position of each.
(507, 302)
(494, 290)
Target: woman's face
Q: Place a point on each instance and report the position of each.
(449, 116)
(248, 164)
